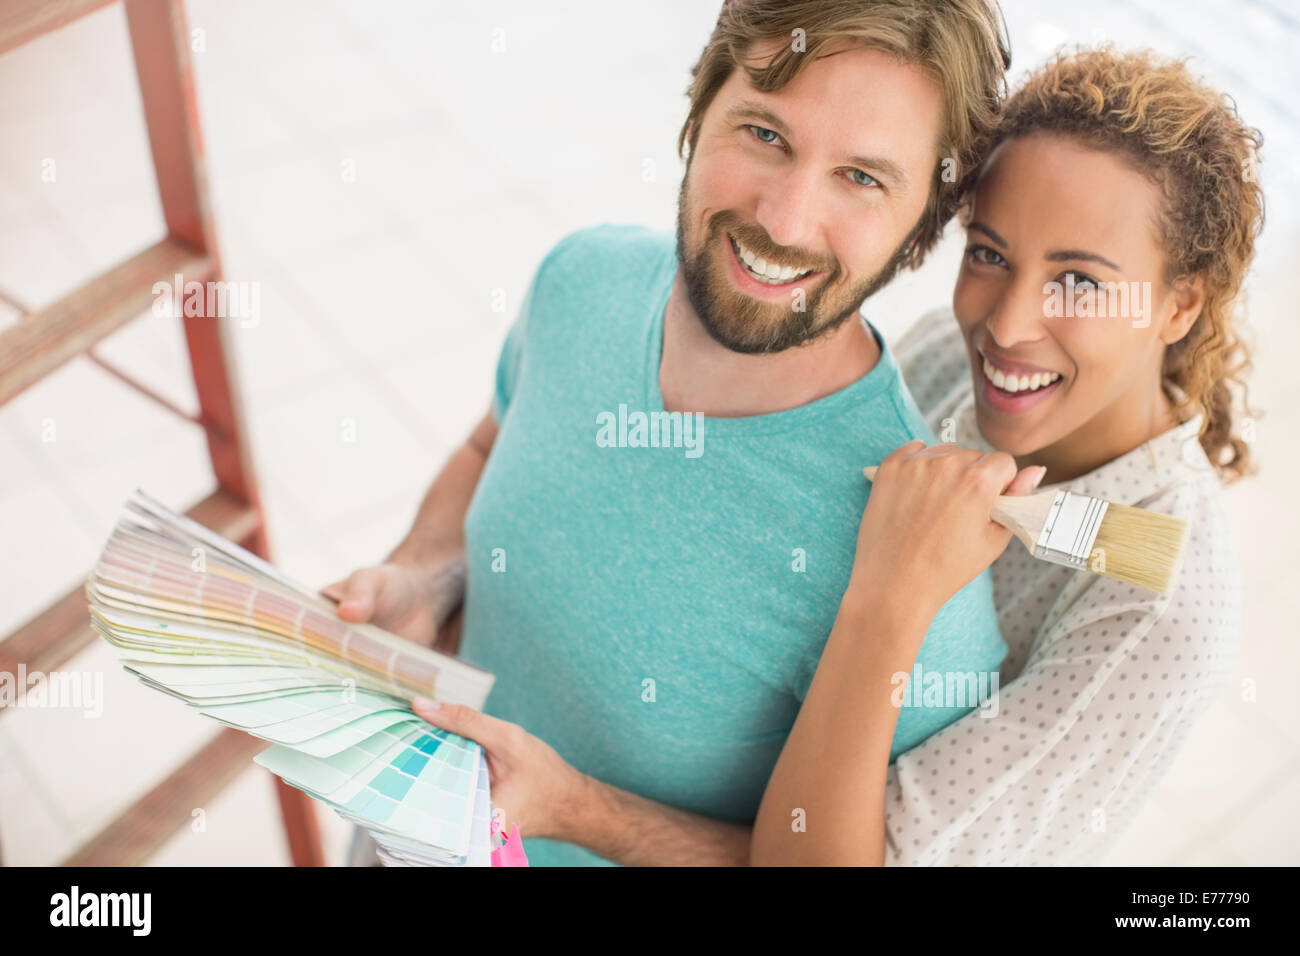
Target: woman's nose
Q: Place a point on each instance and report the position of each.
(1018, 315)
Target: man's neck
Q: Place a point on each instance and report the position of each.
(697, 374)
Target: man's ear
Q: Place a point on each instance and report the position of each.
(1189, 299)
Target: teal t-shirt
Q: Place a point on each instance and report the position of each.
(654, 597)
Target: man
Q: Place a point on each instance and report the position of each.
(658, 516)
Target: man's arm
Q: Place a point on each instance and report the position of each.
(422, 582)
(436, 541)
(437, 536)
(548, 798)
(634, 831)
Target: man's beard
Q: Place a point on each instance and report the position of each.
(747, 325)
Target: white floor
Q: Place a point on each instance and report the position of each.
(386, 173)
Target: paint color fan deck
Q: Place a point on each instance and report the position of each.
(200, 618)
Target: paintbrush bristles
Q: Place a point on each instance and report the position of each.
(1139, 547)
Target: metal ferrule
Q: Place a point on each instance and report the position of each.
(1070, 530)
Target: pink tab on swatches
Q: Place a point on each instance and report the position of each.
(510, 853)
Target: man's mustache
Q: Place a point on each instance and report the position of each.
(760, 243)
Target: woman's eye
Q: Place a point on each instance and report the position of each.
(771, 137)
(1081, 280)
(862, 179)
(985, 256)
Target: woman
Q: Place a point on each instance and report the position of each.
(1109, 173)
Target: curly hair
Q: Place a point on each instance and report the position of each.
(1188, 139)
(961, 43)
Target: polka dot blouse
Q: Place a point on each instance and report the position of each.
(1102, 681)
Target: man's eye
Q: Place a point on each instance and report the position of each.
(985, 256)
(860, 178)
(765, 135)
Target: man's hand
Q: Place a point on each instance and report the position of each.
(422, 582)
(399, 598)
(539, 792)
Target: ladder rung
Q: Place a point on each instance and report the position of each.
(150, 821)
(55, 635)
(44, 340)
(23, 20)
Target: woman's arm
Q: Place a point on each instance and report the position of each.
(925, 534)
(824, 802)
(1076, 742)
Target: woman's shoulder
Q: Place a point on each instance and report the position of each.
(1209, 581)
(1172, 475)
(1205, 605)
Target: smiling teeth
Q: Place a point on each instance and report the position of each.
(1022, 383)
(769, 273)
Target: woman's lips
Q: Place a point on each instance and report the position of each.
(1017, 402)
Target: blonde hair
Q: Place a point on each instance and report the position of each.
(1187, 138)
(960, 42)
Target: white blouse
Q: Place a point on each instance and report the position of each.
(1102, 681)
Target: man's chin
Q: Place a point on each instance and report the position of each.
(747, 325)
(751, 337)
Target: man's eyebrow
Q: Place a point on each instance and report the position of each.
(878, 164)
(756, 110)
(751, 109)
(1065, 255)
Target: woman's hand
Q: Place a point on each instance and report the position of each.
(926, 531)
(534, 786)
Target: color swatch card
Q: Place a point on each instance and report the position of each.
(416, 784)
(199, 618)
(397, 850)
(167, 584)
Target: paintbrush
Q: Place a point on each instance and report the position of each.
(1128, 544)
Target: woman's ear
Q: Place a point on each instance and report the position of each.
(1189, 299)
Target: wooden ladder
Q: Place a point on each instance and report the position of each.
(44, 340)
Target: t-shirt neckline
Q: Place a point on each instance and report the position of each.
(884, 375)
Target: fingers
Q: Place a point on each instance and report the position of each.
(1026, 481)
(987, 474)
(997, 469)
(993, 473)
(489, 732)
(893, 461)
(904, 451)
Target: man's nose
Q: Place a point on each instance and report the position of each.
(788, 209)
(1017, 316)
